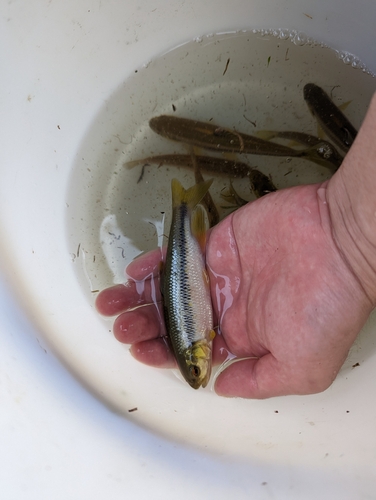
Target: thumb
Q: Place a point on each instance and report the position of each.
(261, 378)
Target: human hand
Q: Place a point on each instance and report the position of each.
(284, 296)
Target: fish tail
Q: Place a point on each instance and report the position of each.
(192, 196)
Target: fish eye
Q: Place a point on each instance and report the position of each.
(195, 371)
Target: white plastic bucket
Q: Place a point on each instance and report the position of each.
(64, 61)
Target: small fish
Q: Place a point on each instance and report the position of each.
(260, 183)
(214, 138)
(330, 117)
(185, 289)
(299, 137)
(319, 151)
(219, 166)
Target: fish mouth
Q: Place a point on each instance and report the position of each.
(202, 381)
(197, 365)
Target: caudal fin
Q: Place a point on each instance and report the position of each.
(191, 196)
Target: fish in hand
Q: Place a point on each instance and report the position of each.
(185, 289)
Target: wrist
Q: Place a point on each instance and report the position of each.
(351, 199)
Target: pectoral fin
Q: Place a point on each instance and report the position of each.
(199, 226)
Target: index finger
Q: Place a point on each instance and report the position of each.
(142, 287)
(146, 265)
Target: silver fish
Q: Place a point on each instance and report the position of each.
(319, 151)
(185, 289)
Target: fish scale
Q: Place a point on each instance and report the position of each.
(180, 288)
